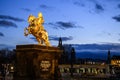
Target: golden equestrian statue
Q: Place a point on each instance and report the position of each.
(36, 28)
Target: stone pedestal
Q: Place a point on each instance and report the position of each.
(36, 62)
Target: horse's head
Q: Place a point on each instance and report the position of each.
(31, 19)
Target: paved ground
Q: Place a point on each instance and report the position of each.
(68, 77)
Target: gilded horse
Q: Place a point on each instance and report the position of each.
(36, 29)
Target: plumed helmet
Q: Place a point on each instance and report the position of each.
(40, 14)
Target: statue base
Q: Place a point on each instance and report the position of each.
(36, 62)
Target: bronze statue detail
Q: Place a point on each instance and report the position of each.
(36, 28)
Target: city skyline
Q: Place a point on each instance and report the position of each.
(75, 21)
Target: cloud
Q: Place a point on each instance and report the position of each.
(1, 34)
(54, 38)
(2, 45)
(4, 23)
(117, 18)
(78, 3)
(109, 34)
(33, 38)
(96, 50)
(118, 39)
(118, 5)
(63, 25)
(105, 46)
(98, 8)
(5, 46)
(26, 9)
(106, 33)
(45, 7)
(11, 18)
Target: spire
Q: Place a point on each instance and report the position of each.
(109, 58)
(73, 59)
(60, 43)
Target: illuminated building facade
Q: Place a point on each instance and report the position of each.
(115, 61)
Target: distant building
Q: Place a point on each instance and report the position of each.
(115, 61)
(109, 58)
(87, 66)
(68, 53)
(7, 59)
(6, 56)
(60, 43)
(115, 65)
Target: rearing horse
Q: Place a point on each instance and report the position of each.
(36, 29)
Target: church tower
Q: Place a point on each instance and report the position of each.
(60, 43)
(73, 58)
(109, 57)
(109, 62)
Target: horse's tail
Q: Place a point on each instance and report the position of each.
(25, 33)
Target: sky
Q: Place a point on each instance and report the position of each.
(75, 21)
